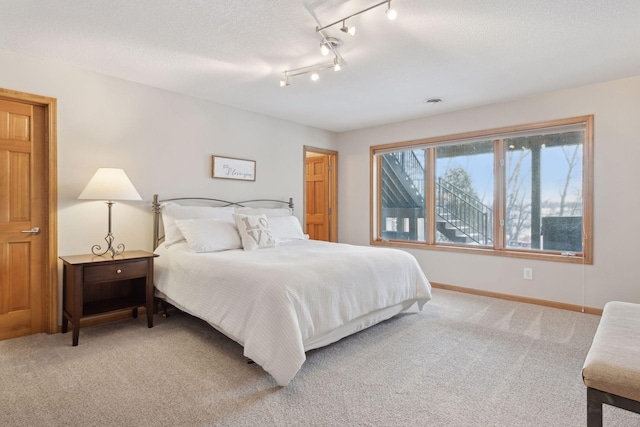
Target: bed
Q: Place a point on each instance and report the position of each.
(275, 292)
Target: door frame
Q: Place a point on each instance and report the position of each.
(50, 258)
(333, 188)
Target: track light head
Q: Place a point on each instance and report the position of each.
(392, 14)
(336, 65)
(329, 44)
(348, 30)
(285, 79)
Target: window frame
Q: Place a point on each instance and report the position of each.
(499, 247)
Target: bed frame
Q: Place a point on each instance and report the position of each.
(205, 201)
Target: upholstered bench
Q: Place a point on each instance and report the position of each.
(611, 370)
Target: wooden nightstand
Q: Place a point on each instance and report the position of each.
(100, 284)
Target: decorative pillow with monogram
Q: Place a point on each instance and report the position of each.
(255, 232)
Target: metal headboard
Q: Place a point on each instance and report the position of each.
(156, 208)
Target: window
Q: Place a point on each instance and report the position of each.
(524, 191)
(464, 193)
(403, 194)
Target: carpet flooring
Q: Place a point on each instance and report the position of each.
(465, 360)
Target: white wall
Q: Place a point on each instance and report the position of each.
(164, 142)
(613, 276)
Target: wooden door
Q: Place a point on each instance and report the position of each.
(22, 204)
(317, 194)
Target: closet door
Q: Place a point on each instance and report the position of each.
(22, 226)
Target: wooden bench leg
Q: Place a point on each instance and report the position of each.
(594, 409)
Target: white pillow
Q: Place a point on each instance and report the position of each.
(269, 212)
(209, 234)
(172, 211)
(255, 232)
(286, 228)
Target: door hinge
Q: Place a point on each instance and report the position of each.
(502, 223)
(501, 162)
(330, 211)
(330, 168)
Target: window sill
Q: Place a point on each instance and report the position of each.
(508, 253)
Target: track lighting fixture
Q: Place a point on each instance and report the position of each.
(331, 45)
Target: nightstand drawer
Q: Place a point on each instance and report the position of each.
(120, 271)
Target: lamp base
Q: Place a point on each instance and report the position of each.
(97, 249)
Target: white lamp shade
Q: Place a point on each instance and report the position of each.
(110, 184)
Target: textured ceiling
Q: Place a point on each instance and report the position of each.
(233, 52)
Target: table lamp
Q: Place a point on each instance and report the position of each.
(109, 184)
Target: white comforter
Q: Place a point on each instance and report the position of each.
(272, 301)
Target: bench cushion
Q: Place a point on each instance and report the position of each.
(613, 362)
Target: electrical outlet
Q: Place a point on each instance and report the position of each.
(528, 273)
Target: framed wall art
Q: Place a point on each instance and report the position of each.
(230, 168)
